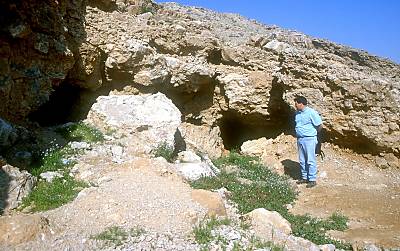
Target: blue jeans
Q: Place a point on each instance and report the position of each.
(307, 160)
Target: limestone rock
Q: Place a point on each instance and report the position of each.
(327, 247)
(202, 138)
(192, 75)
(371, 247)
(194, 171)
(188, 157)
(247, 93)
(271, 226)
(255, 147)
(268, 220)
(22, 228)
(125, 57)
(210, 200)
(381, 162)
(50, 176)
(15, 185)
(211, 64)
(145, 121)
(392, 160)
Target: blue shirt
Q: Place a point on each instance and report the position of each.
(307, 122)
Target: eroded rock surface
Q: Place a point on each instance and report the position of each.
(37, 46)
(212, 64)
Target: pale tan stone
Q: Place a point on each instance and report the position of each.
(210, 200)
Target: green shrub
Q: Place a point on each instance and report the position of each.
(266, 189)
(202, 232)
(164, 150)
(112, 235)
(49, 195)
(314, 229)
(56, 159)
(117, 235)
(80, 132)
(46, 196)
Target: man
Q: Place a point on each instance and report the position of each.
(308, 123)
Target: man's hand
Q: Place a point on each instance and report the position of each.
(319, 128)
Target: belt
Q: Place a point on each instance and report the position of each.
(307, 137)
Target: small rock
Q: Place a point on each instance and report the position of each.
(117, 151)
(79, 145)
(323, 175)
(381, 162)
(327, 247)
(392, 160)
(371, 247)
(104, 179)
(49, 176)
(188, 157)
(265, 220)
(16, 185)
(180, 29)
(194, 171)
(22, 228)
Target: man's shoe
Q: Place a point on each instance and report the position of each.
(301, 181)
(311, 184)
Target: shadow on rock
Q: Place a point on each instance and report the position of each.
(291, 168)
(4, 184)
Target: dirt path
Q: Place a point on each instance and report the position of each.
(139, 193)
(356, 187)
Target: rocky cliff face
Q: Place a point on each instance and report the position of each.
(38, 45)
(221, 70)
(222, 66)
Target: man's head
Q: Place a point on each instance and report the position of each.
(300, 102)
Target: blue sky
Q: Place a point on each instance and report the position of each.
(371, 25)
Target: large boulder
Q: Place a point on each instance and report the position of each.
(144, 121)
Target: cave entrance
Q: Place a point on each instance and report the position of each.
(64, 105)
(236, 129)
(59, 107)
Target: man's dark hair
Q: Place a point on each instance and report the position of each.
(301, 100)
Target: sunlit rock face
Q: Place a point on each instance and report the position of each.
(214, 67)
